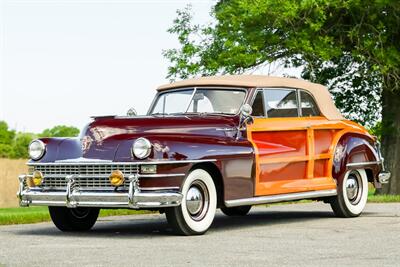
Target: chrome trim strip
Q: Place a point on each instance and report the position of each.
(356, 164)
(280, 198)
(106, 176)
(159, 188)
(226, 129)
(76, 176)
(121, 163)
(299, 108)
(161, 175)
(85, 160)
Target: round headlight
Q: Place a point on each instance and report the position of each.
(141, 148)
(36, 149)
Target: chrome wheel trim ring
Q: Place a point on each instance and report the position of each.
(354, 188)
(197, 200)
(194, 200)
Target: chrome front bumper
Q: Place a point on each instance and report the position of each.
(73, 197)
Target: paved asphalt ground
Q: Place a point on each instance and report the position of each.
(284, 235)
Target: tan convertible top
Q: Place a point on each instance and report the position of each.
(320, 92)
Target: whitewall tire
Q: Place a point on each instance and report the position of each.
(352, 194)
(199, 203)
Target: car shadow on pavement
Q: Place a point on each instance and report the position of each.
(157, 224)
(268, 218)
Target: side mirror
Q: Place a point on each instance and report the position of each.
(131, 112)
(246, 110)
(245, 115)
(245, 118)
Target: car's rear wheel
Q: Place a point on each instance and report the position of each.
(197, 211)
(77, 219)
(236, 211)
(352, 194)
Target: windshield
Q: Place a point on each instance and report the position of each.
(199, 101)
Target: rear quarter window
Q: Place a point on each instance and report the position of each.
(308, 106)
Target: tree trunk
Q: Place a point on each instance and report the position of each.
(391, 136)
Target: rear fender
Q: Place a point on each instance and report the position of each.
(356, 151)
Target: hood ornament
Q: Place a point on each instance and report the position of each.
(131, 112)
(86, 142)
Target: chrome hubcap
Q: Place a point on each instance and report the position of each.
(197, 200)
(194, 200)
(353, 188)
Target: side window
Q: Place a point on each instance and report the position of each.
(258, 105)
(280, 103)
(308, 106)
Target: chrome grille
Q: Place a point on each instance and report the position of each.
(88, 176)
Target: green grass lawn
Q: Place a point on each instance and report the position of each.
(41, 214)
(382, 198)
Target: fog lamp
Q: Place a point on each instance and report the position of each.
(148, 169)
(35, 180)
(117, 178)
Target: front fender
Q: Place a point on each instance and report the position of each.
(233, 158)
(58, 148)
(173, 147)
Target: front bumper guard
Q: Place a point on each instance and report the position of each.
(384, 177)
(73, 197)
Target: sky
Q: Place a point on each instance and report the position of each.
(63, 61)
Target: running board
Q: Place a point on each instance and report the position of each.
(279, 198)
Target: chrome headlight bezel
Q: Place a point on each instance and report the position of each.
(141, 148)
(37, 149)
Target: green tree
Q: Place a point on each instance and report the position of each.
(5, 151)
(6, 140)
(60, 131)
(20, 145)
(6, 135)
(352, 44)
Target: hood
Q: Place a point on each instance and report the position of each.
(117, 128)
(103, 137)
(111, 138)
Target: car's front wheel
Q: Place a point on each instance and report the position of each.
(352, 194)
(77, 219)
(199, 203)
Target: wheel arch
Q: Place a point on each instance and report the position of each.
(355, 148)
(216, 175)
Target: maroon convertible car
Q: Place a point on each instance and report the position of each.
(225, 142)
